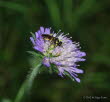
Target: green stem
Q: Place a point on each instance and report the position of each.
(26, 86)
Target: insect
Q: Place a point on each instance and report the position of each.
(53, 40)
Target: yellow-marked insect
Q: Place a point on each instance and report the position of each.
(53, 40)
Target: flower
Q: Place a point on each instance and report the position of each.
(59, 50)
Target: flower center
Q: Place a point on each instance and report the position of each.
(51, 43)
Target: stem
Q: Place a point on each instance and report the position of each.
(26, 86)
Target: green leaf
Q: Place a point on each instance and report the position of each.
(35, 59)
(33, 35)
(101, 58)
(6, 100)
(66, 73)
(14, 6)
(54, 12)
(51, 69)
(35, 54)
(69, 75)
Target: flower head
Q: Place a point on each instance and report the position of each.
(59, 50)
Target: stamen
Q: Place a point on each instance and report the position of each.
(59, 31)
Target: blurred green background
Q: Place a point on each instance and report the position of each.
(87, 21)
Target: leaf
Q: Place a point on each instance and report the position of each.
(50, 70)
(6, 100)
(66, 73)
(14, 6)
(35, 59)
(33, 35)
(35, 54)
(69, 75)
(67, 11)
(54, 12)
(101, 58)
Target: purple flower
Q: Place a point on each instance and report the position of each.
(60, 51)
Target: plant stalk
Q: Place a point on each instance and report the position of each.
(26, 86)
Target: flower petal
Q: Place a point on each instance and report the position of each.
(46, 62)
